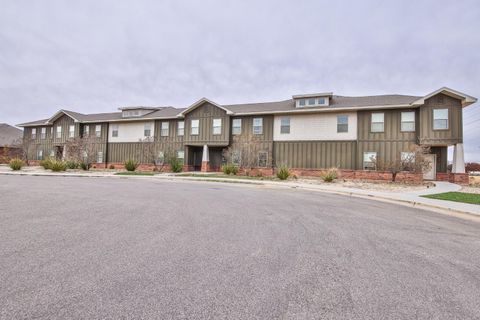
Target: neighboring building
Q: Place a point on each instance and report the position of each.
(10, 141)
(311, 131)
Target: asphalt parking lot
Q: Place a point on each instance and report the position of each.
(110, 248)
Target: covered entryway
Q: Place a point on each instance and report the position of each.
(198, 161)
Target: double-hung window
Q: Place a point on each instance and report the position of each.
(71, 131)
(217, 126)
(100, 157)
(378, 124)
(59, 132)
(440, 119)
(34, 133)
(285, 125)
(43, 133)
(98, 130)
(262, 158)
(194, 123)
(165, 128)
(369, 159)
(114, 130)
(86, 130)
(40, 155)
(408, 121)
(257, 125)
(181, 155)
(180, 128)
(237, 126)
(342, 123)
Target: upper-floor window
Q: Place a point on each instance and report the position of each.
(98, 130)
(312, 101)
(59, 132)
(51, 132)
(408, 121)
(86, 131)
(378, 122)
(195, 124)
(34, 133)
(301, 102)
(165, 128)
(180, 128)
(237, 126)
(71, 131)
(217, 126)
(342, 123)
(285, 125)
(257, 125)
(115, 130)
(369, 159)
(440, 119)
(321, 101)
(43, 133)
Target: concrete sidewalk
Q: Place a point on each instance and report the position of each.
(411, 198)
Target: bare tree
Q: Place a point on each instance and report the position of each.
(26, 145)
(83, 150)
(244, 153)
(147, 151)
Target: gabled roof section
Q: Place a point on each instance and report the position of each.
(465, 98)
(199, 103)
(9, 135)
(74, 115)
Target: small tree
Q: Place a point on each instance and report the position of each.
(83, 150)
(147, 151)
(244, 153)
(25, 144)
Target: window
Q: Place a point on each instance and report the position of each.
(217, 126)
(262, 159)
(377, 122)
(161, 158)
(86, 131)
(237, 126)
(115, 130)
(99, 157)
(71, 131)
(180, 128)
(301, 102)
(342, 124)
(43, 133)
(408, 121)
(52, 153)
(369, 160)
(59, 132)
(34, 133)
(40, 155)
(321, 101)
(194, 127)
(51, 132)
(311, 101)
(257, 125)
(181, 155)
(285, 125)
(98, 130)
(440, 119)
(165, 129)
(407, 156)
(236, 158)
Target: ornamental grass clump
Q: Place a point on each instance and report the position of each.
(229, 169)
(330, 175)
(283, 172)
(58, 165)
(46, 163)
(16, 164)
(131, 165)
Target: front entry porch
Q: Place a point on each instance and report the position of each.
(205, 158)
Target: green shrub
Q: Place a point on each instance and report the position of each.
(176, 165)
(72, 164)
(84, 166)
(46, 163)
(283, 172)
(131, 165)
(330, 175)
(16, 164)
(230, 168)
(58, 165)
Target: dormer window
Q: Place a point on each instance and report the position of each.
(301, 102)
(312, 100)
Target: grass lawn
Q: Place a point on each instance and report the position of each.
(134, 173)
(456, 196)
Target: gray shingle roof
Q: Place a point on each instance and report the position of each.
(9, 134)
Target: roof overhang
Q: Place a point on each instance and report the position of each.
(199, 103)
(465, 98)
(58, 114)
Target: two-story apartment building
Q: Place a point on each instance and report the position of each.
(308, 131)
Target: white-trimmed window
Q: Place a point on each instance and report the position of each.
(262, 159)
(40, 155)
(342, 123)
(181, 155)
(301, 102)
(51, 132)
(285, 125)
(378, 122)
(114, 130)
(408, 121)
(257, 125)
(34, 133)
(236, 126)
(98, 130)
(165, 128)
(369, 159)
(71, 131)
(440, 119)
(322, 101)
(86, 130)
(194, 123)
(43, 133)
(312, 101)
(407, 156)
(100, 157)
(180, 128)
(52, 153)
(59, 132)
(217, 126)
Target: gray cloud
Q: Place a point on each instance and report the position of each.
(94, 56)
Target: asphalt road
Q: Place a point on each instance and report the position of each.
(90, 248)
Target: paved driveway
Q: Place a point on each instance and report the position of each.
(129, 248)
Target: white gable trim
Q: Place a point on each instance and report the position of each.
(466, 99)
(58, 114)
(199, 103)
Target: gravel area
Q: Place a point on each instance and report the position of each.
(371, 185)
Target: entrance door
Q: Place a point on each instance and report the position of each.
(197, 158)
(431, 172)
(59, 152)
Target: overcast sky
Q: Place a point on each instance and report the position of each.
(95, 56)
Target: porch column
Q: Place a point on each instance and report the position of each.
(458, 165)
(205, 159)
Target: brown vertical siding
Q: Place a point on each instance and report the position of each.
(205, 114)
(122, 151)
(173, 136)
(315, 154)
(454, 133)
